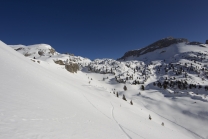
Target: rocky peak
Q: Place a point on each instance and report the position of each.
(36, 50)
(154, 46)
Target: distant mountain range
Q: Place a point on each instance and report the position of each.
(169, 58)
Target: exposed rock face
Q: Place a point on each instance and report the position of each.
(195, 43)
(60, 62)
(19, 49)
(154, 46)
(27, 54)
(72, 67)
(206, 42)
(41, 53)
(69, 54)
(52, 51)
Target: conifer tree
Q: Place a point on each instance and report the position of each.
(150, 117)
(124, 98)
(125, 88)
(164, 86)
(131, 102)
(142, 87)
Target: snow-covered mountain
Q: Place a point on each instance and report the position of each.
(37, 50)
(39, 98)
(180, 68)
(154, 46)
(45, 52)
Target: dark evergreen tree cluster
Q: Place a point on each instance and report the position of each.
(176, 84)
(135, 82)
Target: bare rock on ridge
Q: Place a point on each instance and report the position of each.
(154, 46)
(60, 62)
(72, 67)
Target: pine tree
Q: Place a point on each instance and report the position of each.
(162, 124)
(190, 86)
(131, 102)
(124, 98)
(125, 88)
(142, 87)
(117, 94)
(164, 86)
(150, 117)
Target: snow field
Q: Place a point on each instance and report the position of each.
(43, 100)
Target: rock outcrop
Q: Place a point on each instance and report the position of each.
(52, 51)
(60, 62)
(72, 67)
(41, 53)
(206, 42)
(69, 54)
(195, 43)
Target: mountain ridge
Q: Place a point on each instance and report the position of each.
(165, 42)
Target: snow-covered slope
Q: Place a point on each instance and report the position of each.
(43, 100)
(174, 79)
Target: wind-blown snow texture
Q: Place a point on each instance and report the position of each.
(40, 99)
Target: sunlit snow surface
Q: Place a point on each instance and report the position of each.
(43, 100)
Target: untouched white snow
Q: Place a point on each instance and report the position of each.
(43, 100)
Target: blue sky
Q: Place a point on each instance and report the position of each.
(101, 28)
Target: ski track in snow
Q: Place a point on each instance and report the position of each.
(94, 106)
(11, 124)
(120, 126)
(132, 132)
(118, 123)
(174, 122)
(110, 118)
